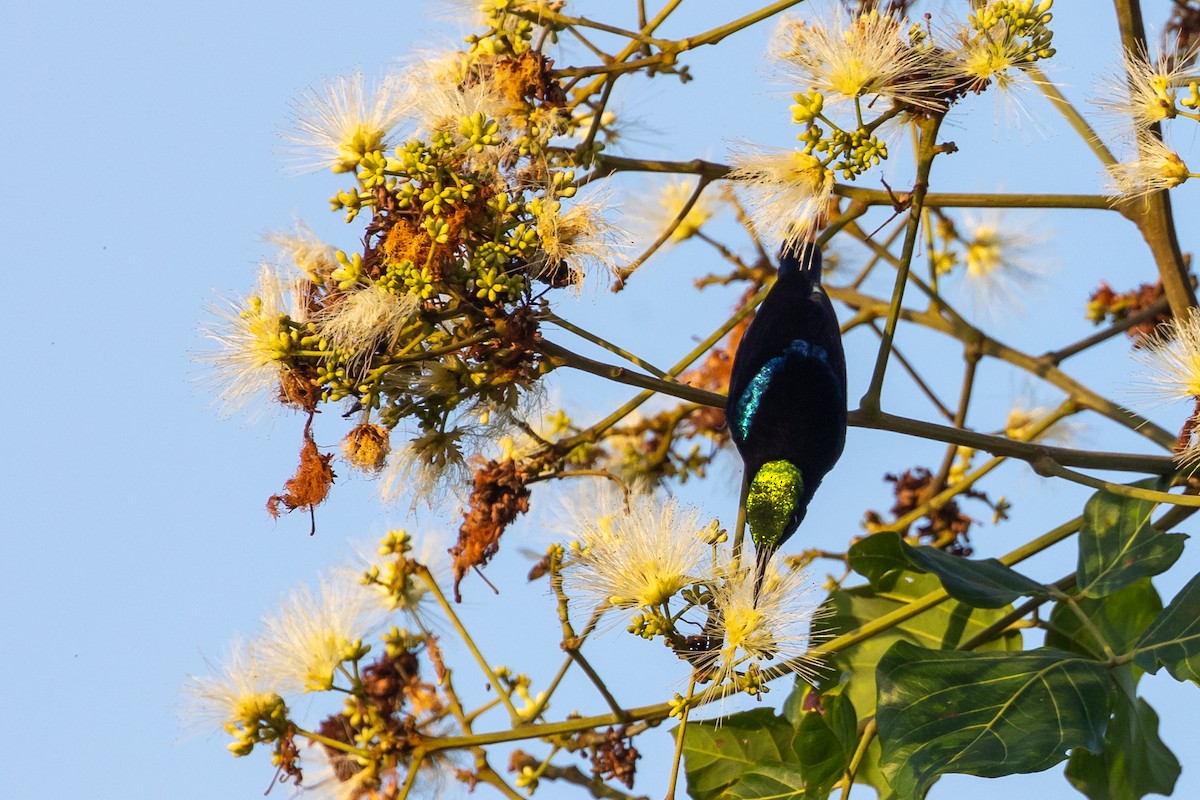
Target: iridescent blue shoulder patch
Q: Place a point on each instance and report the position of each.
(748, 404)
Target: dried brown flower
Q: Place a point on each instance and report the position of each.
(297, 389)
(1182, 32)
(528, 77)
(615, 757)
(309, 486)
(946, 526)
(366, 446)
(287, 756)
(1106, 304)
(498, 497)
(384, 681)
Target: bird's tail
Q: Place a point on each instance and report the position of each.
(801, 258)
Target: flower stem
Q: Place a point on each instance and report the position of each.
(501, 691)
(336, 744)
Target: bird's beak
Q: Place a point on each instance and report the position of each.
(762, 556)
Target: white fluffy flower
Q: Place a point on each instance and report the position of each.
(1003, 261)
(993, 49)
(670, 202)
(312, 257)
(442, 89)
(773, 626)
(634, 556)
(573, 239)
(1171, 363)
(395, 581)
(365, 319)
(1155, 168)
(1023, 420)
(426, 467)
(233, 691)
(1172, 360)
(788, 191)
(859, 56)
(312, 634)
(1143, 92)
(252, 340)
(339, 121)
(331, 774)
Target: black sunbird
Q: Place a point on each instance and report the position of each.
(786, 407)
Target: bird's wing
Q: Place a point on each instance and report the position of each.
(790, 370)
(791, 405)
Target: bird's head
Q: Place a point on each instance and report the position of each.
(800, 257)
(773, 504)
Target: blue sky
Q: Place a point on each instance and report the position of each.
(140, 172)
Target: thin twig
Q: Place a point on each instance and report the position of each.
(425, 575)
(917, 379)
(595, 339)
(1120, 326)
(864, 741)
(624, 272)
(683, 720)
(1048, 466)
(927, 149)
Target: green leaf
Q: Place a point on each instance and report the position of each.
(1173, 639)
(985, 714)
(1134, 762)
(882, 557)
(879, 558)
(768, 781)
(1118, 545)
(984, 584)
(820, 762)
(718, 754)
(945, 626)
(825, 742)
(794, 704)
(1121, 618)
(807, 751)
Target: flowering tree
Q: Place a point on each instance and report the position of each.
(474, 179)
